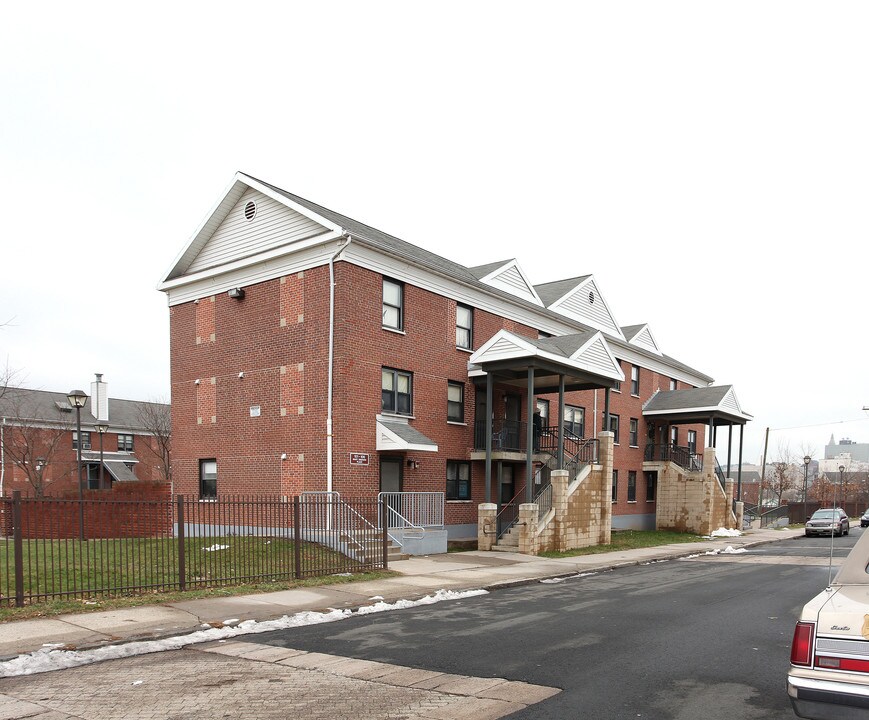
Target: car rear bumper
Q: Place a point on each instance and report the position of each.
(828, 700)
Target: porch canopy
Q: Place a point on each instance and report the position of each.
(712, 406)
(581, 361)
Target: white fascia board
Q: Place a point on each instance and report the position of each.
(210, 222)
(266, 266)
(711, 408)
(661, 368)
(644, 327)
(283, 200)
(378, 261)
(523, 344)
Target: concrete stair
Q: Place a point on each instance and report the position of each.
(509, 542)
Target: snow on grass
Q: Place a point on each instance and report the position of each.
(724, 532)
(50, 658)
(729, 550)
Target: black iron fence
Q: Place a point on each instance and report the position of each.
(682, 456)
(60, 548)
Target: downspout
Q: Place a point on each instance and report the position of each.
(331, 357)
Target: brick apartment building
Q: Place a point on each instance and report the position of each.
(39, 442)
(311, 352)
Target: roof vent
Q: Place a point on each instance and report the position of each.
(250, 210)
(591, 297)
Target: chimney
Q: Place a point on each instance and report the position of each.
(99, 399)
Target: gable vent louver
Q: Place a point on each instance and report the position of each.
(250, 210)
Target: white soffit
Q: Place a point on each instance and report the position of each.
(586, 304)
(643, 338)
(511, 279)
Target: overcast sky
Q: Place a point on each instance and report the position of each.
(707, 162)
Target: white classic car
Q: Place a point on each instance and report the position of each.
(829, 673)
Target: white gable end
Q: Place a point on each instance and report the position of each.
(272, 225)
(729, 402)
(511, 279)
(645, 340)
(596, 356)
(585, 304)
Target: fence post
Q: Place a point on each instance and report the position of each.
(297, 537)
(17, 537)
(182, 559)
(385, 537)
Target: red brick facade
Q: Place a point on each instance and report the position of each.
(249, 390)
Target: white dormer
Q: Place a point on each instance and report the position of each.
(641, 336)
(585, 303)
(510, 278)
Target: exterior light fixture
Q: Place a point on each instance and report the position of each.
(236, 293)
(102, 429)
(78, 398)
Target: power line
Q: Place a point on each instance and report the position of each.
(831, 422)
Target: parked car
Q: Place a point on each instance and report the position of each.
(864, 519)
(828, 521)
(829, 674)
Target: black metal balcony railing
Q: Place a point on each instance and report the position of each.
(507, 435)
(682, 456)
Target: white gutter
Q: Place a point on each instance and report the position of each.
(331, 356)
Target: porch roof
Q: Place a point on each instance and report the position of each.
(120, 472)
(396, 434)
(697, 405)
(584, 359)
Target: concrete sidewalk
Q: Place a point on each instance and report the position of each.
(419, 576)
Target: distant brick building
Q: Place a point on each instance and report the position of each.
(311, 352)
(39, 442)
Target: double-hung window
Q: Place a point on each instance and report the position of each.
(635, 432)
(455, 402)
(574, 420)
(396, 391)
(458, 480)
(614, 428)
(207, 479)
(635, 380)
(692, 441)
(85, 440)
(464, 327)
(651, 484)
(393, 304)
(615, 485)
(632, 485)
(125, 442)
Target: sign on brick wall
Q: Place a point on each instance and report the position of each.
(360, 459)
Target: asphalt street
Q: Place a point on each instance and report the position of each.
(703, 638)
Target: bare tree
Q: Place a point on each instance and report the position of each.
(156, 418)
(30, 444)
(823, 490)
(783, 474)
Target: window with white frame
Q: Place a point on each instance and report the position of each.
(635, 432)
(208, 479)
(458, 480)
(455, 401)
(393, 304)
(125, 442)
(85, 440)
(635, 380)
(672, 384)
(692, 441)
(396, 391)
(574, 420)
(464, 327)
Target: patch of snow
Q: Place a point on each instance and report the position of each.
(690, 557)
(555, 581)
(731, 551)
(231, 621)
(724, 532)
(376, 597)
(49, 658)
(137, 682)
(215, 547)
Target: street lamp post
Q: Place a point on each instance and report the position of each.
(101, 428)
(77, 398)
(806, 461)
(841, 485)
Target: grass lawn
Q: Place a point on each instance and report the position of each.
(629, 540)
(69, 575)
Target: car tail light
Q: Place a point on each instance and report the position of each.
(801, 648)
